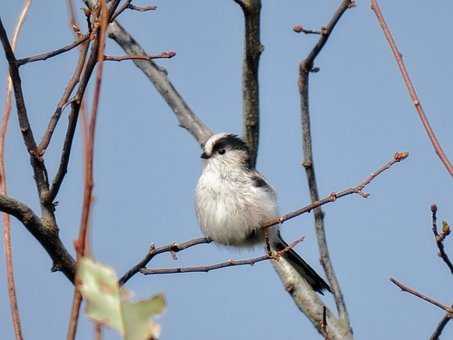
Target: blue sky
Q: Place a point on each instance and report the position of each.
(146, 167)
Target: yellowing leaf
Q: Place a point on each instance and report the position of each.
(107, 303)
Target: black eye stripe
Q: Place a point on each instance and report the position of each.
(230, 141)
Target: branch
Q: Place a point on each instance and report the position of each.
(163, 55)
(47, 55)
(412, 291)
(250, 86)
(128, 5)
(441, 237)
(186, 118)
(440, 327)
(153, 251)
(63, 101)
(411, 89)
(228, 263)
(12, 296)
(304, 72)
(48, 238)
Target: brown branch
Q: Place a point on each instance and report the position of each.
(410, 87)
(440, 327)
(302, 29)
(228, 263)
(175, 247)
(64, 100)
(412, 291)
(305, 68)
(186, 118)
(163, 55)
(47, 237)
(250, 85)
(441, 237)
(47, 55)
(153, 251)
(12, 296)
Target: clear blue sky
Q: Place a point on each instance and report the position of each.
(146, 167)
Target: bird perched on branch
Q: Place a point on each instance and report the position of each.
(233, 201)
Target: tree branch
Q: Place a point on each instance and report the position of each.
(228, 263)
(440, 327)
(48, 238)
(47, 55)
(7, 247)
(440, 238)
(250, 66)
(304, 73)
(412, 291)
(411, 89)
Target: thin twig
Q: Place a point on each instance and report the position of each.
(63, 101)
(12, 296)
(81, 244)
(410, 87)
(412, 291)
(440, 327)
(128, 5)
(228, 263)
(250, 85)
(440, 238)
(47, 55)
(163, 55)
(302, 29)
(305, 68)
(153, 251)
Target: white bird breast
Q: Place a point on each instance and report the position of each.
(230, 208)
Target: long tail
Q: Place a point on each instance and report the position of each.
(302, 267)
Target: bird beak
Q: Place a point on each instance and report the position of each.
(204, 155)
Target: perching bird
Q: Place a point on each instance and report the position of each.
(233, 201)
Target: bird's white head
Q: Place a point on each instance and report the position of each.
(227, 149)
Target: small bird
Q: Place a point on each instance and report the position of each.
(232, 201)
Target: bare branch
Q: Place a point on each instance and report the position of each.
(187, 119)
(12, 296)
(410, 87)
(250, 84)
(302, 29)
(153, 251)
(305, 68)
(163, 55)
(128, 5)
(440, 327)
(63, 101)
(441, 237)
(47, 55)
(412, 291)
(228, 263)
(47, 237)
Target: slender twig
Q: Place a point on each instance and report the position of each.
(153, 251)
(302, 29)
(440, 238)
(47, 55)
(81, 244)
(12, 296)
(175, 247)
(412, 291)
(228, 263)
(63, 101)
(163, 55)
(411, 89)
(128, 5)
(440, 327)
(304, 73)
(250, 85)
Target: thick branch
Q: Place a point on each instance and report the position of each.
(48, 238)
(250, 85)
(411, 89)
(304, 72)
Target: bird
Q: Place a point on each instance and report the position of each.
(233, 200)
